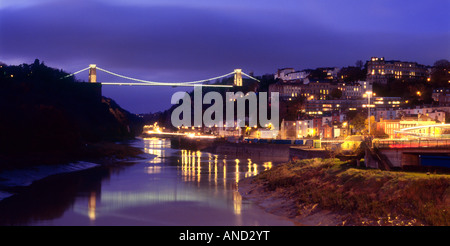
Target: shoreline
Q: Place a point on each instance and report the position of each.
(100, 153)
(95, 155)
(277, 204)
(316, 192)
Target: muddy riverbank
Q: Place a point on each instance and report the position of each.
(332, 192)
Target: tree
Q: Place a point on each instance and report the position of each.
(440, 75)
(359, 64)
(351, 74)
(292, 108)
(318, 74)
(357, 121)
(373, 125)
(336, 93)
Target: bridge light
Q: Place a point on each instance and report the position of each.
(92, 73)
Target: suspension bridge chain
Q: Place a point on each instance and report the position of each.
(147, 82)
(72, 74)
(250, 76)
(163, 83)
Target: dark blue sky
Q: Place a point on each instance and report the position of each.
(176, 40)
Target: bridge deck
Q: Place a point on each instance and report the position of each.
(402, 144)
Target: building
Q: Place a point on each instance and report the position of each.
(305, 128)
(326, 131)
(319, 107)
(390, 127)
(288, 129)
(332, 72)
(282, 73)
(354, 90)
(385, 114)
(442, 96)
(287, 91)
(267, 134)
(438, 116)
(380, 70)
(297, 76)
(350, 91)
(319, 91)
(290, 90)
(436, 113)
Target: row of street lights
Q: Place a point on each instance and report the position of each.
(369, 94)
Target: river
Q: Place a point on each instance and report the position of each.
(175, 188)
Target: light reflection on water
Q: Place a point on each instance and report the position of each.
(216, 179)
(178, 187)
(218, 172)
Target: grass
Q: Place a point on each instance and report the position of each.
(368, 196)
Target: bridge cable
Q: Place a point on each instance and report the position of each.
(72, 74)
(250, 76)
(163, 83)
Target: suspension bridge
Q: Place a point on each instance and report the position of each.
(238, 73)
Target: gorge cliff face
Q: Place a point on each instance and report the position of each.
(42, 113)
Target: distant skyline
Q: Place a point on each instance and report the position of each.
(175, 40)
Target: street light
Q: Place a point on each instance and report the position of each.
(369, 93)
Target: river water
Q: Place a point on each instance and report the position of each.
(175, 188)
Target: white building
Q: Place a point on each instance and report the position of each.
(289, 74)
(281, 73)
(332, 73)
(305, 128)
(386, 114)
(297, 75)
(436, 115)
(365, 86)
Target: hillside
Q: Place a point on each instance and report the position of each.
(47, 119)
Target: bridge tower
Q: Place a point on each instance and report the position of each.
(92, 73)
(238, 77)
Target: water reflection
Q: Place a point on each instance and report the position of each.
(192, 162)
(156, 191)
(222, 173)
(156, 146)
(92, 205)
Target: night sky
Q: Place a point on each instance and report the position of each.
(180, 40)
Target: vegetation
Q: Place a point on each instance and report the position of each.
(352, 74)
(440, 75)
(417, 91)
(47, 117)
(362, 196)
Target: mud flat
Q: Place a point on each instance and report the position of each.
(279, 204)
(333, 192)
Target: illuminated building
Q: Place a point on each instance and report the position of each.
(442, 96)
(386, 114)
(354, 90)
(288, 129)
(380, 70)
(391, 126)
(305, 128)
(288, 90)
